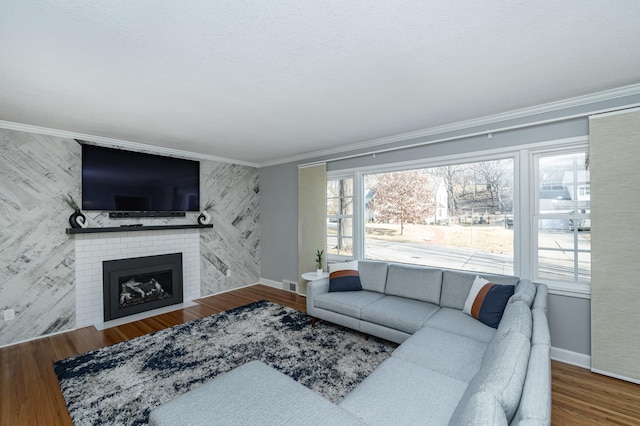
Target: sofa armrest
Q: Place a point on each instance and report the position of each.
(540, 302)
(315, 288)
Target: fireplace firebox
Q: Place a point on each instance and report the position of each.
(140, 284)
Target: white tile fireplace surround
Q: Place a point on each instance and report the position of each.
(93, 249)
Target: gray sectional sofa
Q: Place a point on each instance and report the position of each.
(449, 368)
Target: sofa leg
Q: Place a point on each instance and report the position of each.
(313, 321)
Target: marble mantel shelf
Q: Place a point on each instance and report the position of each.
(134, 228)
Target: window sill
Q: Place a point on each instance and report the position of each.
(334, 258)
(581, 291)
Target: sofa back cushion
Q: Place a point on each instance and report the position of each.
(480, 408)
(373, 275)
(503, 374)
(517, 318)
(414, 282)
(456, 286)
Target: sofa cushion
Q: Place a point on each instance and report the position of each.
(486, 301)
(516, 318)
(479, 409)
(344, 277)
(456, 356)
(456, 286)
(347, 303)
(336, 318)
(503, 372)
(454, 321)
(373, 275)
(400, 313)
(246, 396)
(526, 291)
(535, 404)
(401, 393)
(414, 282)
(383, 332)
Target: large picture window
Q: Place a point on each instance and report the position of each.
(457, 216)
(522, 212)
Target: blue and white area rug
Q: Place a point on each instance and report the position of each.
(121, 384)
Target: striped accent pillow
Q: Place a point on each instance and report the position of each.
(344, 277)
(486, 301)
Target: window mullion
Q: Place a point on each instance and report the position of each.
(358, 216)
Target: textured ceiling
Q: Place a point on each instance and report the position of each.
(261, 80)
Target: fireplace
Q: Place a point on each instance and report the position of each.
(140, 284)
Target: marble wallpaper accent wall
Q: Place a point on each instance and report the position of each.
(37, 263)
(234, 244)
(37, 257)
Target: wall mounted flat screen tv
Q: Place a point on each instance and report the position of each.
(117, 180)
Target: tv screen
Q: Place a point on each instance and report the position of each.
(117, 180)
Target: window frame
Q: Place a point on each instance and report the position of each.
(354, 217)
(524, 193)
(564, 287)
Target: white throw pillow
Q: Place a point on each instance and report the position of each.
(478, 283)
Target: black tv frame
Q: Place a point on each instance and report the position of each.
(159, 167)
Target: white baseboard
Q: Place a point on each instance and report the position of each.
(584, 361)
(570, 357)
(616, 376)
(227, 291)
(271, 283)
(278, 285)
(31, 339)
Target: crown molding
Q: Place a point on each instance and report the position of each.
(620, 92)
(119, 143)
(616, 112)
(368, 144)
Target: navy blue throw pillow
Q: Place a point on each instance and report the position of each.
(490, 302)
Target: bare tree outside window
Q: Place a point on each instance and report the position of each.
(340, 217)
(403, 197)
(456, 216)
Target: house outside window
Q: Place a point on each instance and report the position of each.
(561, 221)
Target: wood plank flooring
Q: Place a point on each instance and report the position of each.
(30, 394)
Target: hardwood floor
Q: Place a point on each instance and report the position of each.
(580, 397)
(30, 394)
